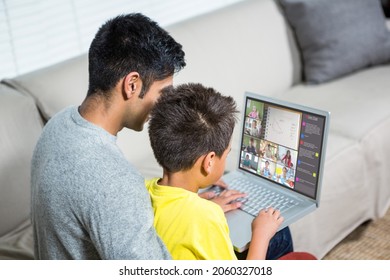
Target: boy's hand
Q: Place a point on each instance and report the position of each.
(211, 194)
(221, 183)
(227, 200)
(267, 223)
(264, 227)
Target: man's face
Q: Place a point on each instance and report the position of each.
(140, 112)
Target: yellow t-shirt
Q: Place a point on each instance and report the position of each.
(191, 227)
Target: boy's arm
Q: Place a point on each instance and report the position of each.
(264, 227)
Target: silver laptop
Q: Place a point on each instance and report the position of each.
(281, 162)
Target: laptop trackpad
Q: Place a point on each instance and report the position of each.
(240, 229)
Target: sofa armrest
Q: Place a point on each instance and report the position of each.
(20, 127)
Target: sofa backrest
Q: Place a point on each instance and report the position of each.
(247, 46)
(55, 87)
(20, 127)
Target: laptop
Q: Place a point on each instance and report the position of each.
(281, 157)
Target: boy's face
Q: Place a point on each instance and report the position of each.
(219, 165)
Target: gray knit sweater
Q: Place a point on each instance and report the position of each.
(88, 201)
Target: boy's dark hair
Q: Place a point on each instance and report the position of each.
(190, 121)
(127, 43)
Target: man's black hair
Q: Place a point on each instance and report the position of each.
(128, 43)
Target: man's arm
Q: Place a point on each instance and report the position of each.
(121, 222)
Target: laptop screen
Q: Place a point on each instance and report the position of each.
(282, 144)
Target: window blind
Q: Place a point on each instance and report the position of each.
(38, 33)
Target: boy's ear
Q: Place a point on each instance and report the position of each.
(131, 83)
(208, 162)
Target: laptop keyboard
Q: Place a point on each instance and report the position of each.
(259, 197)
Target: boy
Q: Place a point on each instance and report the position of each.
(190, 132)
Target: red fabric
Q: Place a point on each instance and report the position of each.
(298, 256)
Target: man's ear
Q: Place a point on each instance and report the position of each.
(208, 162)
(131, 84)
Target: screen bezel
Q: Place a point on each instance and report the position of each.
(297, 108)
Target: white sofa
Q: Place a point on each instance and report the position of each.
(248, 46)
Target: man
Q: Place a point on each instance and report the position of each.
(88, 201)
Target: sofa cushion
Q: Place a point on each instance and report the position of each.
(338, 37)
(20, 127)
(55, 87)
(18, 244)
(376, 149)
(344, 184)
(358, 103)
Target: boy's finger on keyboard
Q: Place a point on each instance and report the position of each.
(208, 195)
(227, 193)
